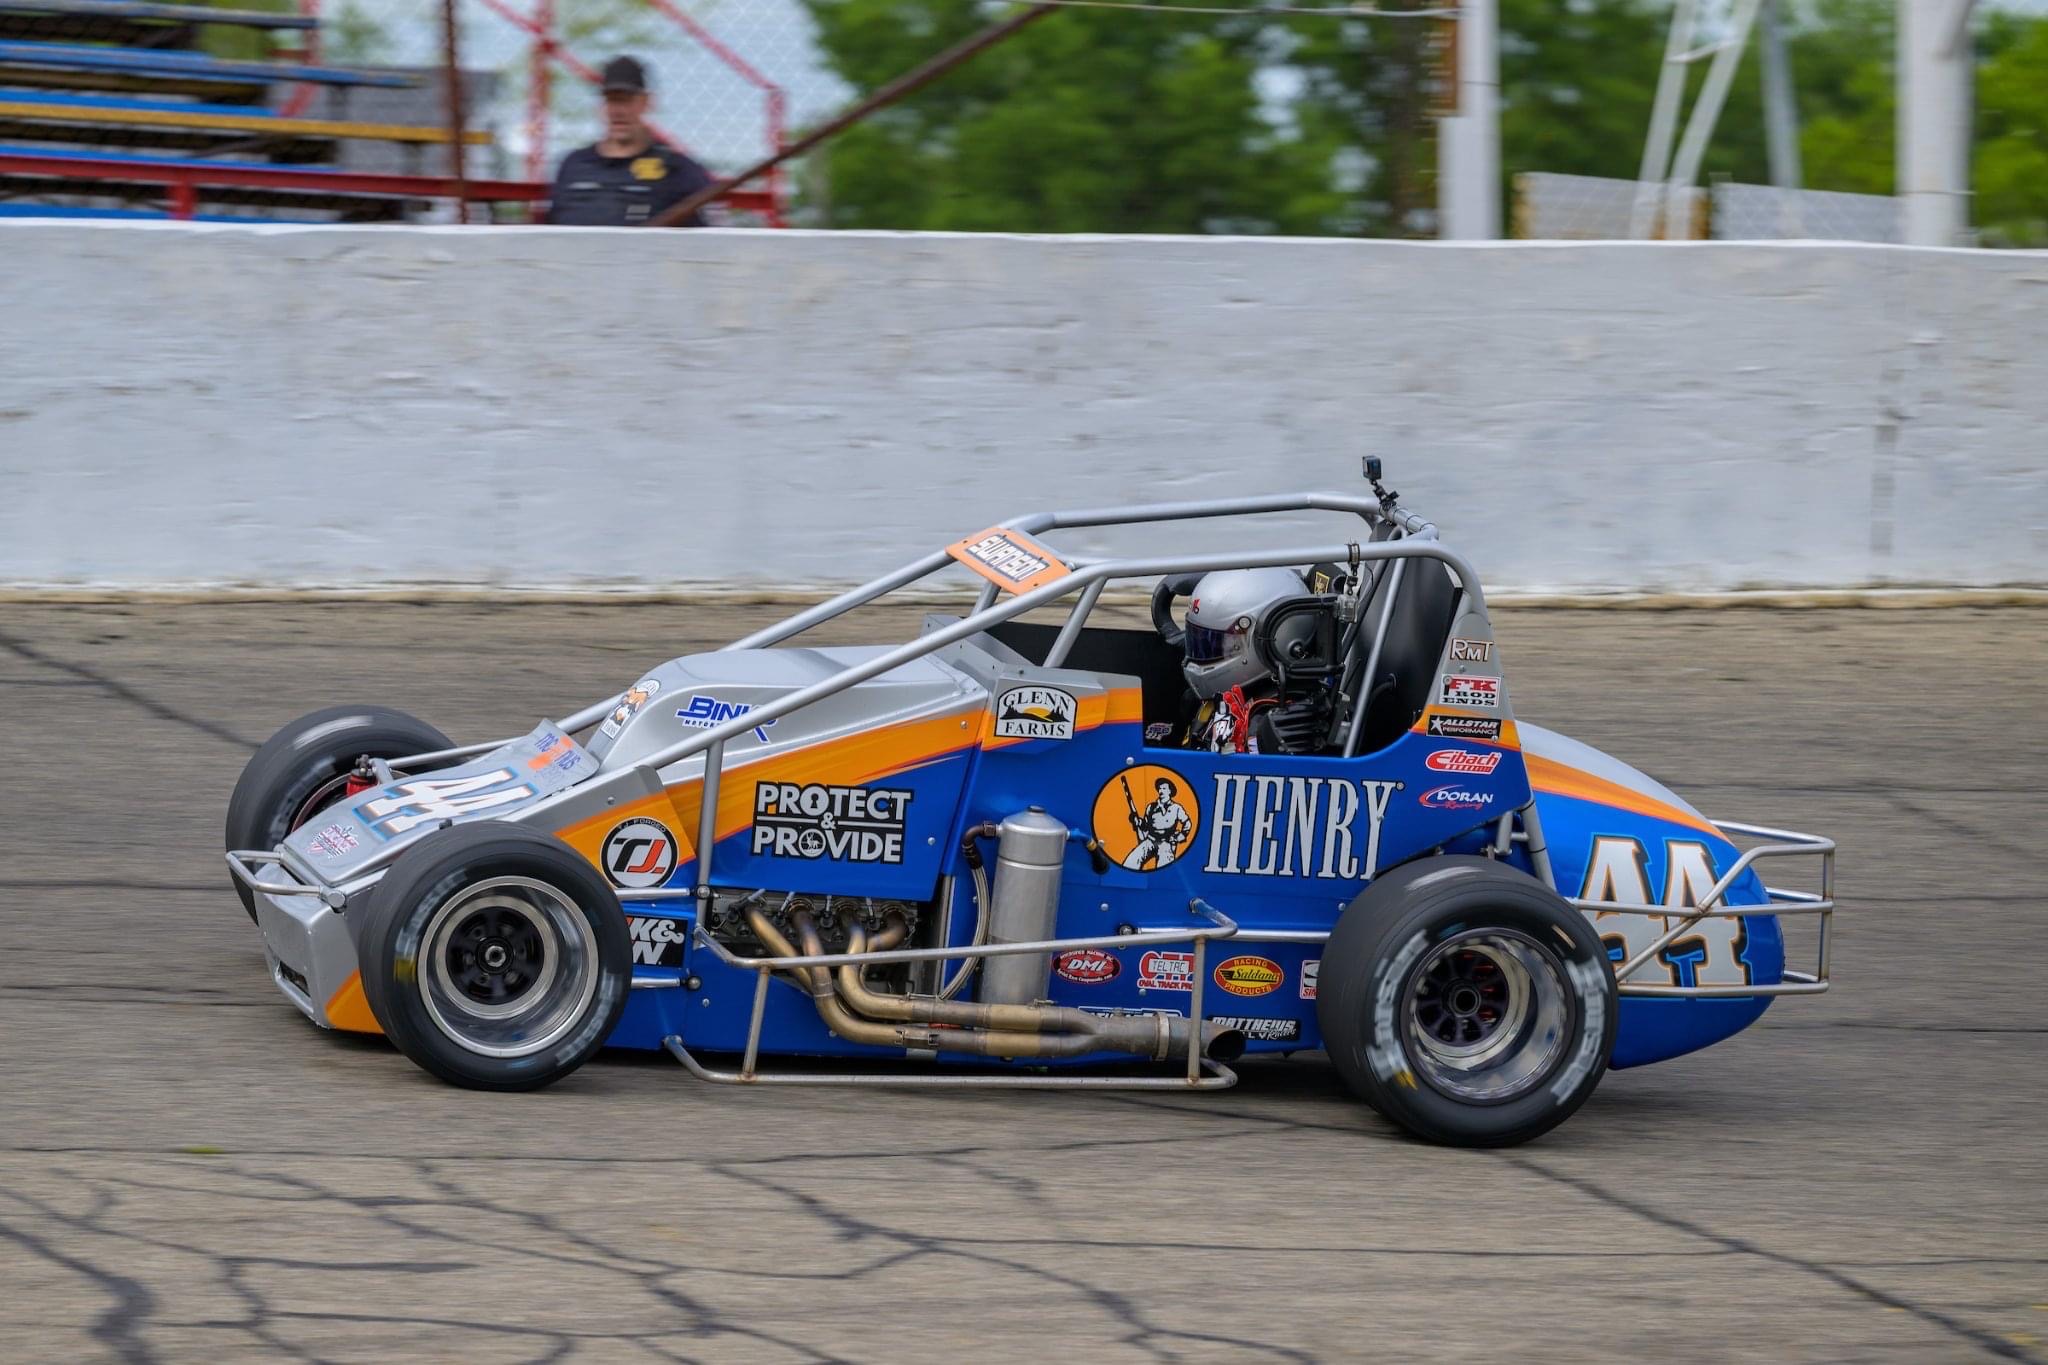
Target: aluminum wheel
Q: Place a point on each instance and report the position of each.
(507, 966)
(1488, 1015)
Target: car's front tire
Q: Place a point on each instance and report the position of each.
(494, 956)
(304, 768)
(1467, 1002)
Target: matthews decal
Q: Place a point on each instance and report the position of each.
(1035, 713)
(851, 824)
(1297, 826)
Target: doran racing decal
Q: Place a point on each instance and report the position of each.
(1260, 1030)
(1086, 966)
(1249, 975)
(1471, 689)
(1035, 712)
(1166, 972)
(851, 824)
(1456, 798)
(639, 853)
(1463, 760)
(657, 942)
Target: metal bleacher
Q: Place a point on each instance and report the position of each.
(113, 108)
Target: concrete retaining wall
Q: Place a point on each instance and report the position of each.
(190, 405)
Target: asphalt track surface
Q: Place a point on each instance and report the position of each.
(190, 1171)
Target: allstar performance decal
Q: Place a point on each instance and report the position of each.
(846, 824)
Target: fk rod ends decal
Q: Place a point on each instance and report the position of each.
(1146, 816)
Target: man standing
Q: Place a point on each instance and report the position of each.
(1161, 830)
(626, 177)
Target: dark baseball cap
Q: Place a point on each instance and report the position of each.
(624, 76)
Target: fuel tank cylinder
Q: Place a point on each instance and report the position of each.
(1031, 848)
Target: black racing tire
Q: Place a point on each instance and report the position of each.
(300, 770)
(494, 956)
(1467, 1002)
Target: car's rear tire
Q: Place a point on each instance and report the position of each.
(1467, 1002)
(304, 768)
(494, 956)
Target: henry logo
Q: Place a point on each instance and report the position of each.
(635, 698)
(1310, 970)
(703, 712)
(1462, 761)
(1146, 816)
(1166, 972)
(639, 853)
(1260, 1030)
(1464, 727)
(1471, 651)
(1249, 975)
(1455, 798)
(850, 824)
(1471, 689)
(1035, 713)
(1086, 966)
(657, 942)
(1268, 826)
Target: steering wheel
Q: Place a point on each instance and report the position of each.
(1172, 586)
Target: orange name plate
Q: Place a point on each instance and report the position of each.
(1011, 560)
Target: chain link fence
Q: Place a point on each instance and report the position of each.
(1595, 208)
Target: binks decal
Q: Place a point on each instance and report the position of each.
(657, 942)
(639, 853)
(1086, 966)
(1471, 651)
(1166, 972)
(1471, 689)
(850, 824)
(1456, 798)
(635, 698)
(1146, 816)
(1309, 971)
(1709, 952)
(1035, 712)
(1249, 975)
(1297, 826)
(1009, 559)
(704, 712)
(1462, 761)
(1464, 727)
(1260, 1030)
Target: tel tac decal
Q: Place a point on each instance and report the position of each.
(638, 853)
(814, 820)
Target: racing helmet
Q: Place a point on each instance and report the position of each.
(1222, 622)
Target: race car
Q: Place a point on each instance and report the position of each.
(1040, 852)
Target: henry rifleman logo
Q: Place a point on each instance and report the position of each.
(1146, 816)
(1034, 712)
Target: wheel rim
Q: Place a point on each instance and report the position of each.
(1488, 1015)
(507, 966)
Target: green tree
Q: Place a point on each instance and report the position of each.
(1089, 120)
(2011, 164)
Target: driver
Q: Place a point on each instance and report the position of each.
(1239, 704)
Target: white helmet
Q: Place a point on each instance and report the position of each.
(1222, 620)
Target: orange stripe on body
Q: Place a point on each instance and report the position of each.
(1559, 779)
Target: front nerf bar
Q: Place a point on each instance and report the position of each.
(1785, 844)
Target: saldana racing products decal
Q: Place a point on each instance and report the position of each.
(814, 820)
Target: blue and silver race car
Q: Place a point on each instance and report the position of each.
(1022, 852)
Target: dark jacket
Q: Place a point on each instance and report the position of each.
(593, 190)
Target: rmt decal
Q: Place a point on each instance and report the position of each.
(848, 824)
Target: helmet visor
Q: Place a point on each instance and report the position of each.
(1206, 646)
